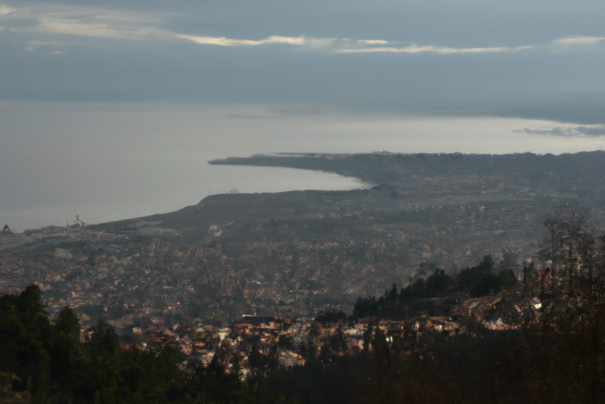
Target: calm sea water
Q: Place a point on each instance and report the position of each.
(107, 162)
(146, 197)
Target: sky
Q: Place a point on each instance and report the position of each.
(116, 106)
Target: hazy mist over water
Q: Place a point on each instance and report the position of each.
(107, 162)
(111, 110)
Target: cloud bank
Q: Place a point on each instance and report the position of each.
(436, 49)
(445, 58)
(578, 40)
(81, 21)
(578, 131)
(4, 10)
(271, 40)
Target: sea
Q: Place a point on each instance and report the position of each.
(105, 161)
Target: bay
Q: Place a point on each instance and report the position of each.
(107, 162)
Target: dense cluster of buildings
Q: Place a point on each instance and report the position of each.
(159, 292)
(135, 279)
(281, 342)
(286, 343)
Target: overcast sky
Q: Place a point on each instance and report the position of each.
(527, 58)
(83, 81)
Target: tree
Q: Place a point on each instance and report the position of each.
(382, 353)
(527, 270)
(392, 294)
(65, 348)
(25, 335)
(507, 278)
(330, 316)
(256, 358)
(551, 244)
(103, 339)
(67, 322)
(211, 384)
(437, 284)
(573, 230)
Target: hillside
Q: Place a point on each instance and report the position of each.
(285, 253)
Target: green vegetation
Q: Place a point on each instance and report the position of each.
(331, 316)
(496, 367)
(44, 361)
(436, 293)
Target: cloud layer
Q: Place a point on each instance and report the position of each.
(436, 49)
(578, 40)
(439, 58)
(128, 25)
(561, 131)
